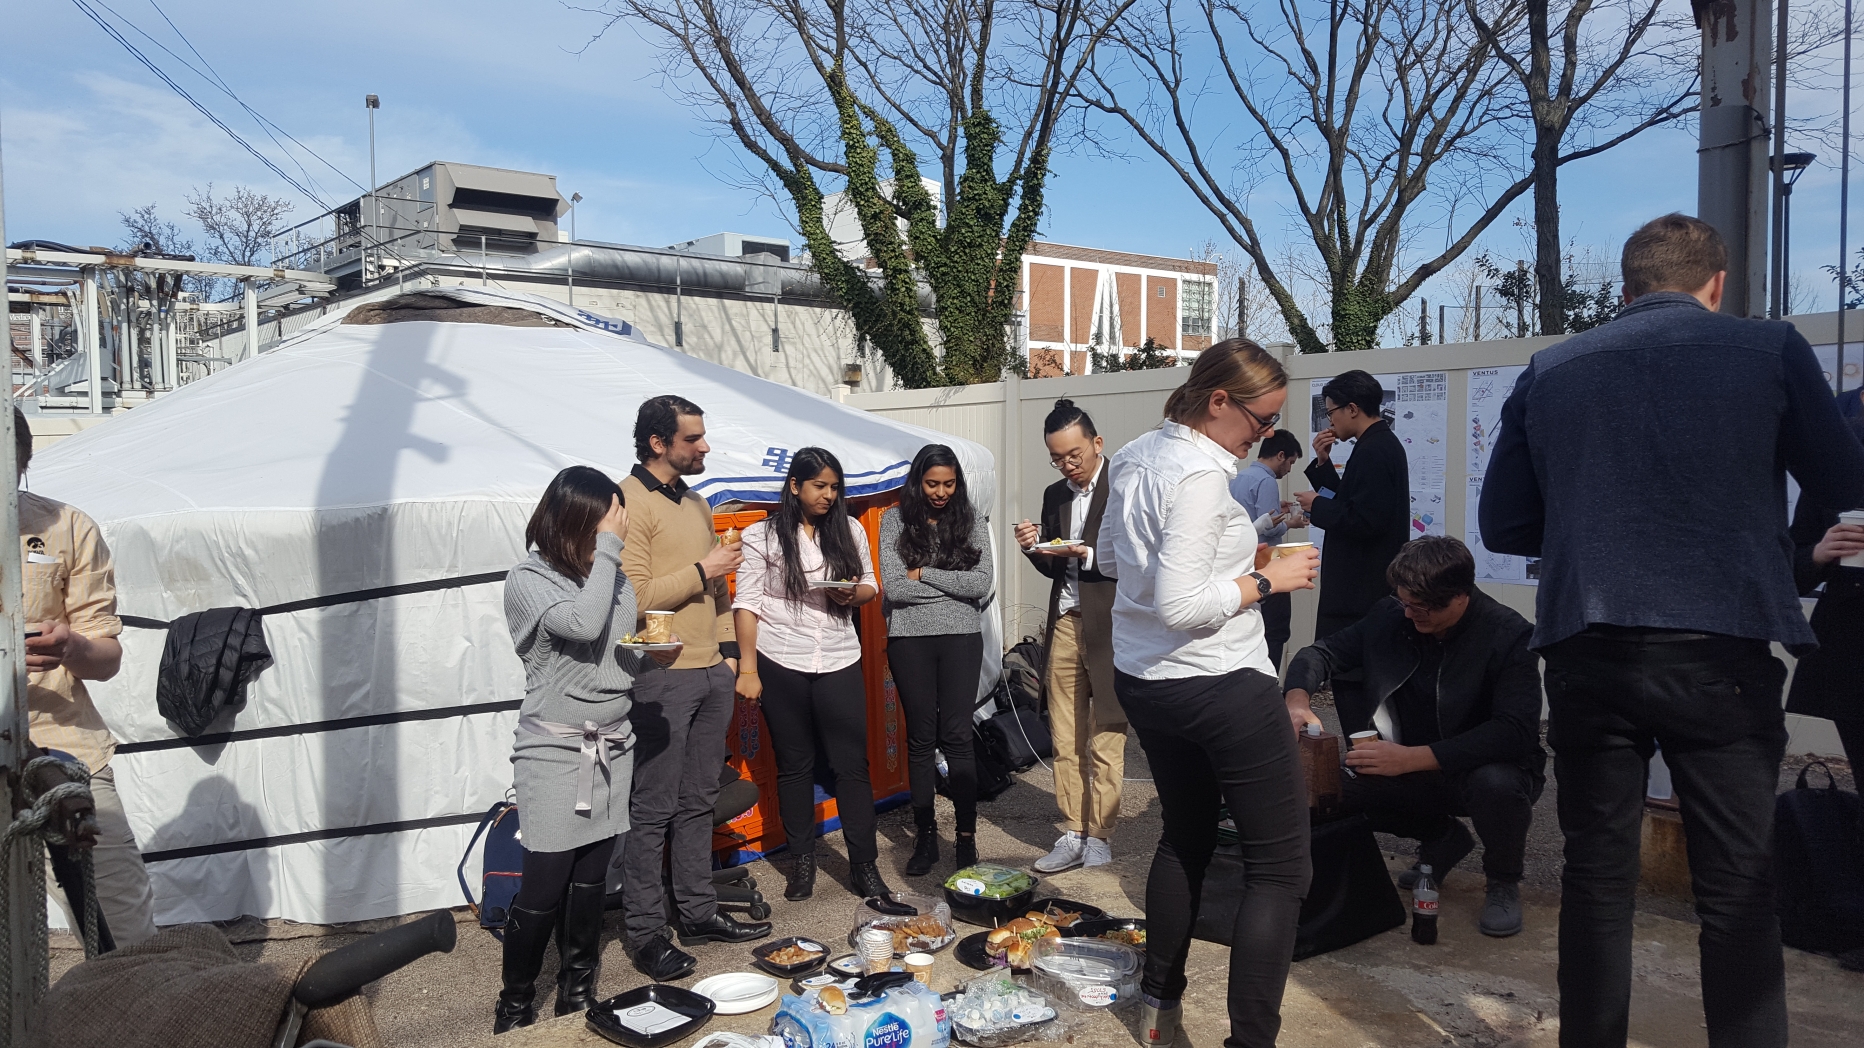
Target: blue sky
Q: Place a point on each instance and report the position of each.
(88, 132)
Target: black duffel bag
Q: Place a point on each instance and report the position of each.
(1352, 897)
(1818, 862)
(1021, 736)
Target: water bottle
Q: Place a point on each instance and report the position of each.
(1424, 909)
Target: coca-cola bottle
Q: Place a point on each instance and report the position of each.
(1424, 909)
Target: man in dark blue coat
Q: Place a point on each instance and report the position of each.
(1645, 463)
(1364, 511)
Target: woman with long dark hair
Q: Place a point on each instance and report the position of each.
(806, 568)
(566, 604)
(936, 574)
(1192, 671)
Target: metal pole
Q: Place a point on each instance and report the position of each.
(679, 304)
(24, 920)
(1732, 160)
(38, 348)
(252, 319)
(1844, 204)
(1786, 251)
(1242, 307)
(483, 279)
(1478, 337)
(570, 259)
(372, 103)
(1441, 336)
(1776, 301)
(93, 340)
(776, 323)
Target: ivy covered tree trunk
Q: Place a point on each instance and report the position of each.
(1357, 313)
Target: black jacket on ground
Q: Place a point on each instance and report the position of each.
(1828, 682)
(1488, 690)
(1366, 520)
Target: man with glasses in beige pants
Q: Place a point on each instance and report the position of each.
(1085, 720)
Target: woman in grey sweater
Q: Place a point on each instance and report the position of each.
(567, 603)
(935, 576)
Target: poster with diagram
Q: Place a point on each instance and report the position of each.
(1416, 405)
(1488, 390)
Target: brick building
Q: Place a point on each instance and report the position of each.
(1082, 300)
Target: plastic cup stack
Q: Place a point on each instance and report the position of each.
(876, 950)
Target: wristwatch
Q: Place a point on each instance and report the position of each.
(1264, 587)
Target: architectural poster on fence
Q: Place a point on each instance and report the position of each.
(1416, 404)
(1488, 388)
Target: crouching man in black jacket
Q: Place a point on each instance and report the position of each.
(1454, 693)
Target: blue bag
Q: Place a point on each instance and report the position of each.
(502, 865)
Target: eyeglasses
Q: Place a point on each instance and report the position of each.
(1331, 410)
(1419, 609)
(1261, 423)
(1072, 460)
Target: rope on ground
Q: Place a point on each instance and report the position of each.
(32, 829)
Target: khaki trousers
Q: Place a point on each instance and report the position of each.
(123, 893)
(1090, 737)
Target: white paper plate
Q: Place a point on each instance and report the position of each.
(831, 584)
(1051, 547)
(637, 647)
(736, 993)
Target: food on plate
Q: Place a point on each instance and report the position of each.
(1129, 936)
(990, 881)
(792, 954)
(912, 934)
(1057, 916)
(834, 1000)
(1015, 941)
(1061, 542)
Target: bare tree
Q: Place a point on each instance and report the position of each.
(146, 226)
(856, 93)
(239, 226)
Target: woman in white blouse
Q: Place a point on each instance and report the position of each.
(1192, 671)
(806, 568)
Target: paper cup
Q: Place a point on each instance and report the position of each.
(1287, 549)
(659, 627)
(1362, 736)
(920, 964)
(1855, 516)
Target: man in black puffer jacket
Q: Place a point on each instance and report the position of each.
(1454, 693)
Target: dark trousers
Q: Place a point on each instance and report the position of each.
(827, 713)
(936, 678)
(1498, 798)
(1851, 737)
(547, 875)
(1277, 617)
(679, 718)
(1713, 704)
(1212, 741)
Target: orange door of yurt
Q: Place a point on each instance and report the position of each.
(761, 829)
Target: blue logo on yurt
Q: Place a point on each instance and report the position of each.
(889, 1031)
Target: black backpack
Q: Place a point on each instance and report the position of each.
(995, 764)
(1022, 673)
(1818, 862)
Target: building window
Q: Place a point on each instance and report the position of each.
(1161, 291)
(1196, 309)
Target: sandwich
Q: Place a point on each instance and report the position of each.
(1015, 941)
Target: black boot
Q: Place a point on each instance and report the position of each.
(925, 849)
(527, 936)
(864, 878)
(966, 848)
(802, 878)
(579, 947)
(722, 927)
(661, 961)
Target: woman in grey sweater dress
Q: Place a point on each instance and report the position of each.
(566, 604)
(935, 575)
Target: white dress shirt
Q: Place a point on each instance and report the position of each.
(1070, 598)
(799, 633)
(1259, 490)
(1179, 542)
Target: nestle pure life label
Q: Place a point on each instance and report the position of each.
(889, 1031)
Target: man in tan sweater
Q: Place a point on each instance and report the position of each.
(681, 713)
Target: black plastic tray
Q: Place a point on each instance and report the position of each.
(1088, 913)
(760, 956)
(988, 913)
(696, 1007)
(1096, 928)
(971, 952)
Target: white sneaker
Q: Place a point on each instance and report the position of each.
(1096, 852)
(1065, 856)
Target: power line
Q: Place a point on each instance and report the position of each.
(85, 7)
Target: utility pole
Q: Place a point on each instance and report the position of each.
(1732, 159)
(372, 103)
(22, 925)
(1242, 307)
(569, 260)
(1520, 302)
(1423, 322)
(1776, 299)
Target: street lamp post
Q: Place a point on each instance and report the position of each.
(569, 260)
(371, 103)
(1790, 166)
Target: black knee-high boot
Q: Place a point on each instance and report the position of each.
(579, 947)
(527, 936)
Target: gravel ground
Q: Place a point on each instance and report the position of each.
(1383, 992)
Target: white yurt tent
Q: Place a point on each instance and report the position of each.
(357, 457)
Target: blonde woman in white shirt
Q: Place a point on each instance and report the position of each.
(801, 659)
(1192, 672)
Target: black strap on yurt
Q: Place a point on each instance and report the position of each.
(312, 728)
(312, 835)
(352, 597)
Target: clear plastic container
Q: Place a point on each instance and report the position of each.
(1086, 974)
